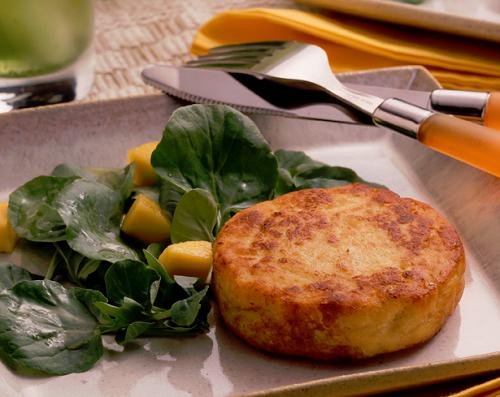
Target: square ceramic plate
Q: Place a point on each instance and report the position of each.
(33, 141)
(478, 18)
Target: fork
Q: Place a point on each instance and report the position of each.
(307, 66)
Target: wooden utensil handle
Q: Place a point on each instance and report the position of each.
(468, 142)
(491, 116)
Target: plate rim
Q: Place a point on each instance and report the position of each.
(413, 15)
(386, 379)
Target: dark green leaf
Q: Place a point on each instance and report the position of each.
(53, 264)
(89, 297)
(153, 291)
(155, 249)
(114, 318)
(169, 291)
(154, 264)
(185, 312)
(299, 171)
(194, 218)
(78, 267)
(89, 267)
(116, 179)
(133, 331)
(218, 149)
(11, 274)
(92, 214)
(45, 328)
(66, 170)
(130, 279)
(119, 180)
(32, 211)
(168, 329)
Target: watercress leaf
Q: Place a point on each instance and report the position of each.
(168, 329)
(11, 274)
(45, 328)
(153, 291)
(218, 149)
(114, 318)
(72, 261)
(154, 264)
(155, 249)
(169, 291)
(133, 331)
(157, 313)
(131, 279)
(116, 179)
(299, 171)
(66, 170)
(53, 265)
(32, 211)
(185, 311)
(92, 214)
(78, 267)
(119, 180)
(89, 297)
(89, 267)
(319, 183)
(107, 309)
(195, 217)
(322, 175)
(284, 183)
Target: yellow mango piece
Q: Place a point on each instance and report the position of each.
(144, 174)
(189, 258)
(146, 221)
(8, 236)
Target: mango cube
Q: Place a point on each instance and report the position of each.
(144, 174)
(8, 236)
(189, 258)
(146, 221)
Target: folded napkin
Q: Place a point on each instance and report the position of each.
(359, 44)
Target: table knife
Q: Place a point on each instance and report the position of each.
(253, 95)
(468, 142)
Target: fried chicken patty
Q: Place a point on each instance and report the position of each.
(352, 271)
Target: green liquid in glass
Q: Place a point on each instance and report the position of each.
(41, 36)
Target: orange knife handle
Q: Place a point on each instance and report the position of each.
(471, 143)
(491, 117)
(465, 141)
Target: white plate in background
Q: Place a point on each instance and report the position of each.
(473, 18)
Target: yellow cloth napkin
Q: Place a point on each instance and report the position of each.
(359, 44)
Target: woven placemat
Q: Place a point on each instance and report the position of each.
(129, 34)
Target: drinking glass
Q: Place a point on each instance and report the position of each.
(45, 51)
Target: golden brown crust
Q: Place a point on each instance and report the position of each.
(351, 271)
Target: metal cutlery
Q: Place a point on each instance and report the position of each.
(305, 66)
(256, 95)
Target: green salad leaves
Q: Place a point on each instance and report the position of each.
(45, 328)
(217, 150)
(212, 161)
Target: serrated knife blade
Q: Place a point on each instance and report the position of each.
(251, 95)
